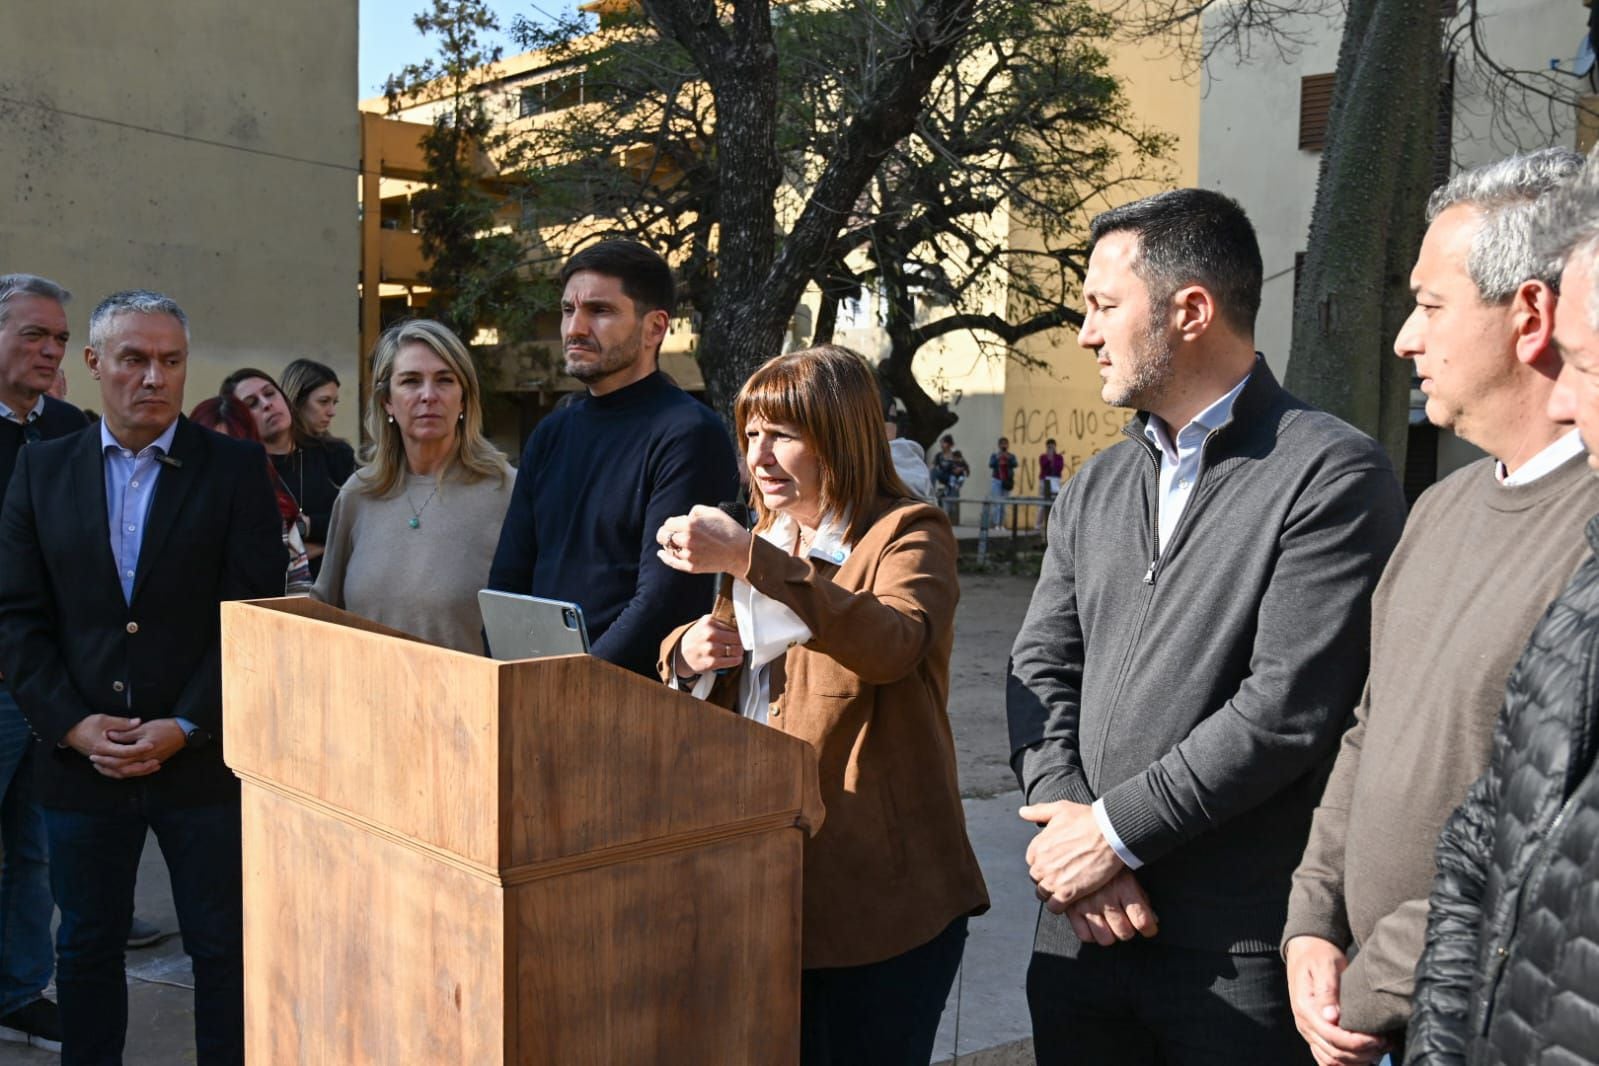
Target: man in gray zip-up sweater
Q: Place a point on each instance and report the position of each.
(1194, 644)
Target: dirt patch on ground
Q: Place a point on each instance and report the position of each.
(990, 613)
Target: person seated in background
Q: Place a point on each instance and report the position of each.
(311, 467)
(230, 420)
(839, 632)
(312, 390)
(413, 532)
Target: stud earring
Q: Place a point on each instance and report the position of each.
(391, 420)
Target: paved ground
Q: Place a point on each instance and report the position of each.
(986, 1021)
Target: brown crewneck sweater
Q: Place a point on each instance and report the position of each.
(1476, 568)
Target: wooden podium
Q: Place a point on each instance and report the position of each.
(449, 859)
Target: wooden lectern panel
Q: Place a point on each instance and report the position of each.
(666, 954)
(450, 859)
(401, 733)
(611, 759)
(360, 950)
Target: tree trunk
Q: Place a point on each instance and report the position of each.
(1368, 221)
(826, 321)
(925, 418)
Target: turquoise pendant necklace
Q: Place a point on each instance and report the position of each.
(415, 521)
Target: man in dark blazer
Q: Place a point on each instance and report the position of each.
(116, 547)
(33, 341)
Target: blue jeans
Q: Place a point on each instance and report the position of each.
(94, 861)
(994, 513)
(26, 956)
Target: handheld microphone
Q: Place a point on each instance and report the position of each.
(739, 513)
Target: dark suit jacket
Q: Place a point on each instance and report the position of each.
(70, 646)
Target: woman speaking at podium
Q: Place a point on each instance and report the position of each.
(841, 622)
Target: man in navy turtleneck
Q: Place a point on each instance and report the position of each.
(598, 477)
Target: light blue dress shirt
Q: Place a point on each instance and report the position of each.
(38, 410)
(1179, 469)
(130, 481)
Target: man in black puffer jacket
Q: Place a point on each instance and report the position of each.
(1510, 974)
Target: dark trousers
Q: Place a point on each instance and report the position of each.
(1142, 1003)
(881, 1014)
(94, 859)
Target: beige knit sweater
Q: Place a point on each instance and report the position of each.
(1477, 566)
(423, 580)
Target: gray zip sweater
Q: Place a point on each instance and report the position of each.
(1201, 691)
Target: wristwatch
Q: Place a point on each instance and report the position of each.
(194, 737)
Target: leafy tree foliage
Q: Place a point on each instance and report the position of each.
(940, 155)
(473, 260)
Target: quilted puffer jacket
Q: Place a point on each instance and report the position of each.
(1510, 974)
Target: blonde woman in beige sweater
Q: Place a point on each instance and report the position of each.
(414, 530)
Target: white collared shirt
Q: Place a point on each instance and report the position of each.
(1550, 459)
(1179, 458)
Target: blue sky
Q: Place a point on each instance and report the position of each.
(388, 40)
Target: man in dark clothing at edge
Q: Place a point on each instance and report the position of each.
(1195, 641)
(33, 341)
(598, 477)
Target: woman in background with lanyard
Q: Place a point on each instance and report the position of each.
(311, 467)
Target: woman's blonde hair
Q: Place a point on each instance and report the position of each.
(830, 395)
(474, 457)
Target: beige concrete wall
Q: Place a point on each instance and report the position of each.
(203, 149)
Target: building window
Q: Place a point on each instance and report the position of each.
(1315, 104)
(552, 94)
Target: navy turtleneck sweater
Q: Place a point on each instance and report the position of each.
(596, 481)
(58, 419)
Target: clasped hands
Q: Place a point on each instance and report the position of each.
(1080, 876)
(704, 541)
(126, 747)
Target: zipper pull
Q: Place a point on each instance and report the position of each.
(1149, 575)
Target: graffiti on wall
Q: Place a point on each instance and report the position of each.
(1080, 431)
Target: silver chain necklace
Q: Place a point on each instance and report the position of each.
(415, 521)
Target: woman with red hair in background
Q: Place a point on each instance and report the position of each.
(220, 415)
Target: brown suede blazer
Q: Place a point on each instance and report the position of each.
(890, 866)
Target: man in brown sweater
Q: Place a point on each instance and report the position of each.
(1483, 554)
